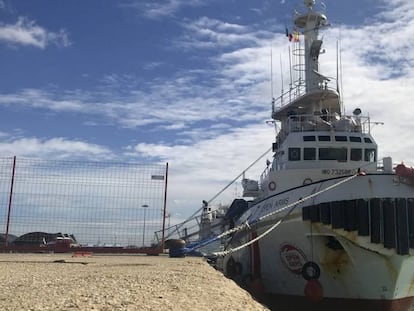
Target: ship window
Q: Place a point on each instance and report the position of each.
(355, 139)
(294, 154)
(370, 155)
(309, 153)
(339, 154)
(341, 138)
(324, 138)
(356, 154)
(368, 140)
(309, 138)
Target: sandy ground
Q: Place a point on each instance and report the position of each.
(63, 282)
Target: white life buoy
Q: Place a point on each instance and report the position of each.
(272, 186)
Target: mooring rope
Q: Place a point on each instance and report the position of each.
(292, 206)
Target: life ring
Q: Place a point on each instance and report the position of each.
(311, 271)
(272, 186)
(307, 181)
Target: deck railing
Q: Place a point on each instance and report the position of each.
(327, 122)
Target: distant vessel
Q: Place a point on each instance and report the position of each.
(211, 220)
(211, 224)
(328, 226)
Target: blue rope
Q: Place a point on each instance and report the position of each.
(199, 244)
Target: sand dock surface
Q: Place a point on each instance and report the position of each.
(116, 282)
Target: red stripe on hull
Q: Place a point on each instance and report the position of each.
(256, 269)
(296, 303)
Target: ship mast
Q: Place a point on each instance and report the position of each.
(315, 94)
(310, 22)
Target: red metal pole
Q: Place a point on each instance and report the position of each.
(10, 202)
(165, 207)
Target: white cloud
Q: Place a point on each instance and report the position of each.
(174, 104)
(200, 170)
(56, 148)
(212, 34)
(40, 99)
(227, 150)
(28, 33)
(159, 9)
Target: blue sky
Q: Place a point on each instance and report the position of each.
(186, 81)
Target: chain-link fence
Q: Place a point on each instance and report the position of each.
(81, 204)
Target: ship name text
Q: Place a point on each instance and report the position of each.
(274, 204)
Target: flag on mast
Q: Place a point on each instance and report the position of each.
(292, 36)
(295, 35)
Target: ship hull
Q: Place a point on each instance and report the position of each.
(350, 267)
(281, 302)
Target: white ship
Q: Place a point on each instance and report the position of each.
(329, 226)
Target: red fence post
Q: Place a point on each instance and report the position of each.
(10, 203)
(165, 208)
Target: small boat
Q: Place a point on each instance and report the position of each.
(328, 225)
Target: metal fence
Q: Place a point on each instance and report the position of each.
(115, 206)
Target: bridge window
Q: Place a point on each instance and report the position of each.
(324, 138)
(368, 140)
(370, 155)
(309, 153)
(309, 138)
(338, 154)
(294, 154)
(355, 139)
(341, 138)
(356, 154)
